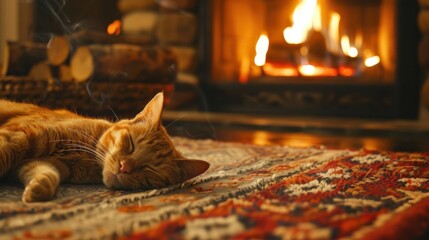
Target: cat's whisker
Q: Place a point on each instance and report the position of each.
(173, 122)
(80, 143)
(154, 171)
(96, 141)
(86, 135)
(114, 113)
(82, 148)
(69, 141)
(95, 160)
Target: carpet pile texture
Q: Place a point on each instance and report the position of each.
(249, 191)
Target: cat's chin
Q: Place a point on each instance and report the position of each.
(111, 180)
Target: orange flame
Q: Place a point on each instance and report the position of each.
(114, 28)
(303, 19)
(372, 61)
(347, 48)
(261, 50)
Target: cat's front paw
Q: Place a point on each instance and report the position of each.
(42, 188)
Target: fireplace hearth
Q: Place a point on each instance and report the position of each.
(286, 80)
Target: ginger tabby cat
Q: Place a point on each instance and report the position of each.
(42, 148)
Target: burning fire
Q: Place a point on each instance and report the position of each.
(114, 28)
(348, 50)
(302, 22)
(310, 70)
(261, 50)
(372, 61)
(307, 17)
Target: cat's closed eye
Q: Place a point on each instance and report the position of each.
(124, 141)
(130, 144)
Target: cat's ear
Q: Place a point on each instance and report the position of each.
(192, 168)
(152, 111)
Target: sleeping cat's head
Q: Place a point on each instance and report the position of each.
(138, 153)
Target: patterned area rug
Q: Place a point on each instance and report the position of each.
(249, 191)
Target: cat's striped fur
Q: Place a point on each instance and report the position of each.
(42, 148)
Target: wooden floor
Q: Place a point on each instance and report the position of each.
(389, 135)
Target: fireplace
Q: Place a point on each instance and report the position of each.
(313, 58)
(342, 58)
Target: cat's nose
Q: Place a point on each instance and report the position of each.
(125, 167)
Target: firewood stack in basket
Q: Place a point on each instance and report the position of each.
(89, 70)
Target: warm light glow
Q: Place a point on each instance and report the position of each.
(359, 40)
(372, 61)
(307, 70)
(302, 22)
(348, 50)
(353, 52)
(311, 70)
(346, 71)
(261, 50)
(280, 70)
(114, 28)
(334, 26)
(244, 70)
(317, 19)
(261, 138)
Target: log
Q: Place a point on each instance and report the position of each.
(45, 71)
(178, 4)
(85, 37)
(21, 56)
(177, 28)
(124, 62)
(58, 50)
(139, 22)
(186, 58)
(64, 73)
(126, 6)
(187, 78)
(41, 71)
(61, 47)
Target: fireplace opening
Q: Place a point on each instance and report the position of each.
(308, 57)
(308, 38)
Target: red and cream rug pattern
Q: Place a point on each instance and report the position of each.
(249, 191)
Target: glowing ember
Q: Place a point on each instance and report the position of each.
(372, 61)
(346, 71)
(114, 28)
(261, 50)
(310, 70)
(302, 22)
(280, 69)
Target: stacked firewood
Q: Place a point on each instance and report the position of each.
(170, 23)
(90, 73)
(83, 56)
(423, 21)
